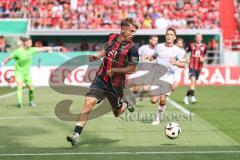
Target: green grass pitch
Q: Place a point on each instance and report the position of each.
(212, 133)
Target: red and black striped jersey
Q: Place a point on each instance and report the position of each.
(118, 54)
(196, 52)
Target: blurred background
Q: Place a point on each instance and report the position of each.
(81, 27)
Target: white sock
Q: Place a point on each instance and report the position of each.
(161, 108)
(160, 112)
(79, 124)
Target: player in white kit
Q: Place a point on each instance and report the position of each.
(170, 56)
(145, 56)
(180, 44)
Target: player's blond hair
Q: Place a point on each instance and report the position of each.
(129, 21)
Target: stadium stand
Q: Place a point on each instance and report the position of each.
(229, 24)
(91, 14)
(105, 14)
(236, 42)
(237, 8)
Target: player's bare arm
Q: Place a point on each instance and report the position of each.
(6, 60)
(100, 54)
(44, 49)
(202, 58)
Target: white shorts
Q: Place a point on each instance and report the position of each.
(169, 78)
(165, 85)
(177, 75)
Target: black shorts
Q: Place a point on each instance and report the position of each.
(100, 90)
(194, 73)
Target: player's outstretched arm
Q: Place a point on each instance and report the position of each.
(44, 49)
(97, 57)
(6, 60)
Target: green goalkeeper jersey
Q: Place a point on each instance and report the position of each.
(23, 59)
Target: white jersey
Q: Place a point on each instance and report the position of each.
(179, 70)
(145, 51)
(164, 54)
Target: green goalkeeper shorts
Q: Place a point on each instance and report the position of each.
(25, 78)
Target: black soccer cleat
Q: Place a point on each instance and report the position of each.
(129, 106)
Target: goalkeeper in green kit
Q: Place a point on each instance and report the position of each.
(23, 60)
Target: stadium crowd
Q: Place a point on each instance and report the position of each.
(92, 14)
(237, 8)
(236, 41)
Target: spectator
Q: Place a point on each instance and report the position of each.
(212, 48)
(2, 44)
(161, 23)
(96, 46)
(147, 22)
(38, 43)
(84, 46)
(236, 42)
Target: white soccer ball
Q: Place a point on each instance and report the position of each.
(172, 130)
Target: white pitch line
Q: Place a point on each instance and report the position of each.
(27, 117)
(181, 108)
(7, 95)
(10, 94)
(41, 117)
(115, 153)
(175, 104)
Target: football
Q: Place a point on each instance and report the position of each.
(172, 130)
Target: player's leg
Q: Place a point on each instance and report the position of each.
(192, 77)
(135, 90)
(95, 94)
(89, 104)
(193, 86)
(160, 110)
(192, 89)
(132, 97)
(20, 84)
(121, 109)
(118, 102)
(19, 93)
(31, 96)
(123, 106)
(28, 82)
(145, 90)
(154, 99)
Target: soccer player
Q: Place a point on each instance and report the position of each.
(23, 60)
(169, 55)
(180, 44)
(198, 51)
(145, 53)
(120, 57)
